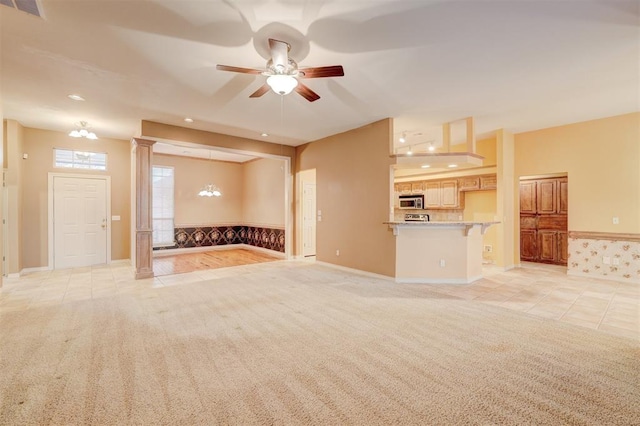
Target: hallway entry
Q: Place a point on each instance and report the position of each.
(80, 221)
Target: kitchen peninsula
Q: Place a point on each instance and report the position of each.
(438, 252)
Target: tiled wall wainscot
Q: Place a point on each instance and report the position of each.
(204, 236)
(604, 255)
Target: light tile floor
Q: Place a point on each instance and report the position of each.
(542, 290)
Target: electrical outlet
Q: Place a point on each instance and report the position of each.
(616, 220)
(442, 263)
(488, 248)
(616, 261)
(337, 252)
(606, 260)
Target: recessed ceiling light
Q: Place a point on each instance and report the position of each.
(75, 97)
(426, 166)
(453, 165)
(264, 135)
(188, 120)
(402, 140)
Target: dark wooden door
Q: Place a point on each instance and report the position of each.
(543, 220)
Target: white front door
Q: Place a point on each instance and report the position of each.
(309, 219)
(79, 221)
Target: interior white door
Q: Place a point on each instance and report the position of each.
(309, 219)
(79, 221)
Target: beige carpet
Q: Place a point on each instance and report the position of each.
(293, 343)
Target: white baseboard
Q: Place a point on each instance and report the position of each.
(172, 252)
(355, 271)
(28, 270)
(603, 277)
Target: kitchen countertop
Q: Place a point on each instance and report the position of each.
(468, 225)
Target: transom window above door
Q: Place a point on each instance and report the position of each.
(72, 159)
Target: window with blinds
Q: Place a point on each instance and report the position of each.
(163, 183)
(70, 159)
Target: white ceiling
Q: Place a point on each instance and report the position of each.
(518, 65)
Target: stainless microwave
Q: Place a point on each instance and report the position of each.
(411, 202)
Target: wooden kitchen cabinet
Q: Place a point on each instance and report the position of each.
(441, 195)
(417, 187)
(477, 183)
(488, 182)
(469, 183)
(432, 195)
(404, 188)
(449, 194)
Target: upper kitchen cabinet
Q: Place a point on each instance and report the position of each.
(417, 188)
(442, 194)
(477, 183)
(469, 183)
(403, 188)
(488, 182)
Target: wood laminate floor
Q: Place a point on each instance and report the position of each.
(189, 262)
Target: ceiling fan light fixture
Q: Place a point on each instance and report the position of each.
(282, 84)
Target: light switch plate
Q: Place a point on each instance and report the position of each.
(115, 217)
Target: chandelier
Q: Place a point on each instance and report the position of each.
(210, 190)
(82, 131)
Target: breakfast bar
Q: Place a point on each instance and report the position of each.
(438, 252)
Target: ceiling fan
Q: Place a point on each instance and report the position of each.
(283, 73)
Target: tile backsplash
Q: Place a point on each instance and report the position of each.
(434, 215)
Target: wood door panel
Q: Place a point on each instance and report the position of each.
(553, 222)
(528, 222)
(528, 197)
(563, 196)
(547, 196)
(563, 247)
(547, 246)
(528, 245)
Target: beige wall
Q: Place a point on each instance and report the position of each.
(353, 191)
(480, 206)
(263, 195)
(602, 160)
(14, 176)
(191, 175)
(39, 144)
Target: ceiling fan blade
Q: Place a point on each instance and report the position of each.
(279, 53)
(261, 91)
(307, 93)
(320, 72)
(238, 69)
